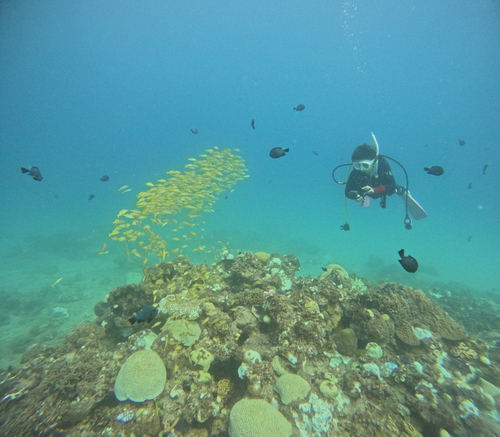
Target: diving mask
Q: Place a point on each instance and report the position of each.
(364, 165)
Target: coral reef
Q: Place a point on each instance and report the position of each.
(249, 348)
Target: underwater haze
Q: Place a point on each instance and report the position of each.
(98, 88)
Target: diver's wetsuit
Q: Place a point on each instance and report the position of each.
(383, 185)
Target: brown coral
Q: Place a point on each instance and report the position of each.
(410, 308)
(463, 351)
(224, 388)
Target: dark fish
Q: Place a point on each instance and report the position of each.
(461, 142)
(470, 186)
(143, 314)
(300, 107)
(253, 124)
(409, 263)
(484, 168)
(91, 196)
(195, 131)
(105, 178)
(324, 269)
(33, 172)
(278, 152)
(434, 170)
(316, 152)
(470, 238)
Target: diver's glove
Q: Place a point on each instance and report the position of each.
(367, 191)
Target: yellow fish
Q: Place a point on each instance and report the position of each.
(126, 191)
(136, 253)
(122, 212)
(57, 282)
(103, 250)
(150, 184)
(122, 188)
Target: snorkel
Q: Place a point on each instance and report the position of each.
(407, 220)
(375, 161)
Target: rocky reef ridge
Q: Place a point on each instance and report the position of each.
(246, 340)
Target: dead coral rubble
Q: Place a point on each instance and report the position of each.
(373, 360)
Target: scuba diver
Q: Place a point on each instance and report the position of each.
(371, 178)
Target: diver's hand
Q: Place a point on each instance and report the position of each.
(367, 190)
(355, 195)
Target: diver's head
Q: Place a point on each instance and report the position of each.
(364, 157)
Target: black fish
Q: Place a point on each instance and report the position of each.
(461, 142)
(409, 263)
(485, 168)
(324, 269)
(33, 172)
(470, 186)
(91, 196)
(105, 178)
(278, 152)
(316, 152)
(470, 238)
(300, 107)
(195, 131)
(434, 170)
(143, 314)
(253, 124)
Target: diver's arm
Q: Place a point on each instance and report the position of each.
(388, 189)
(389, 182)
(351, 188)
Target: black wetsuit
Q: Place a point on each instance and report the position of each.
(383, 185)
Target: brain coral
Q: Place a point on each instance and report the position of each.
(141, 377)
(410, 308)
(291, 388)
(257, 418)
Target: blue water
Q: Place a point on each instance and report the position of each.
(94, 88)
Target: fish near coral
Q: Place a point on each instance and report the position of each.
(143, 314)
(409, 263)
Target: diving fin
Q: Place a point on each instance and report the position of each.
(414, 208)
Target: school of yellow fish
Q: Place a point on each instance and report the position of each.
(157, 225)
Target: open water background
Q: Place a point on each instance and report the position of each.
(104, 87)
